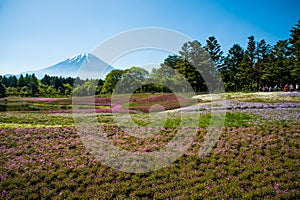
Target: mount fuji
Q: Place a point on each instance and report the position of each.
(83, 65)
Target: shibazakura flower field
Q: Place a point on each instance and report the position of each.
(256, 157)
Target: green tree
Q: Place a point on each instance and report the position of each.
(251, 50)
(68, 89)
(12, 91)
(79, 91)
(232, 62)
(56, 82)
(278, 68)
(263, 50)
(46, 80)
(111, 80)
(25, 91)
(294, 40)
(33, 84)
(195, 64)
(21, 81)
(27, 79)
(12, 81)
(168, 79)
(70, 81)
(132, 80)
(88, 88)
(2, 91)
(5, 81)
(214, 49)
(51, 92)
(246, 71)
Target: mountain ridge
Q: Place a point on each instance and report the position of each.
(82, 65)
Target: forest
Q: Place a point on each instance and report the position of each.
(242, 69)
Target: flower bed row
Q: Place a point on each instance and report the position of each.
(167, 101)
(290, 94)
(115, 109)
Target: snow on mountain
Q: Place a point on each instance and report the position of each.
(83, 65)
(77, 58)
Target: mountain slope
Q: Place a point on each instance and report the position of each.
(81, 65)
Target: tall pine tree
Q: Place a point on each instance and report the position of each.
(214, 49)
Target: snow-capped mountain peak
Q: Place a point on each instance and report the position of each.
(84, 65)
(77, 58)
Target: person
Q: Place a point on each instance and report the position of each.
(286, 87)
(270, 89)
(291, 87)
(276, 88)
(297, 87)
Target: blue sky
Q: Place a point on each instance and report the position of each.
(35, 34)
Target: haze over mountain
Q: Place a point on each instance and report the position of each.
(81, 65)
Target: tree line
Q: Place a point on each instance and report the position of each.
(48, 86)
(29, 85)
(249, 69)
(258, 66)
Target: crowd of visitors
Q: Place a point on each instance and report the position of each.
(286, 88)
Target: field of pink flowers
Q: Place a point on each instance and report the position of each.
(247, 162)
(256, 157)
